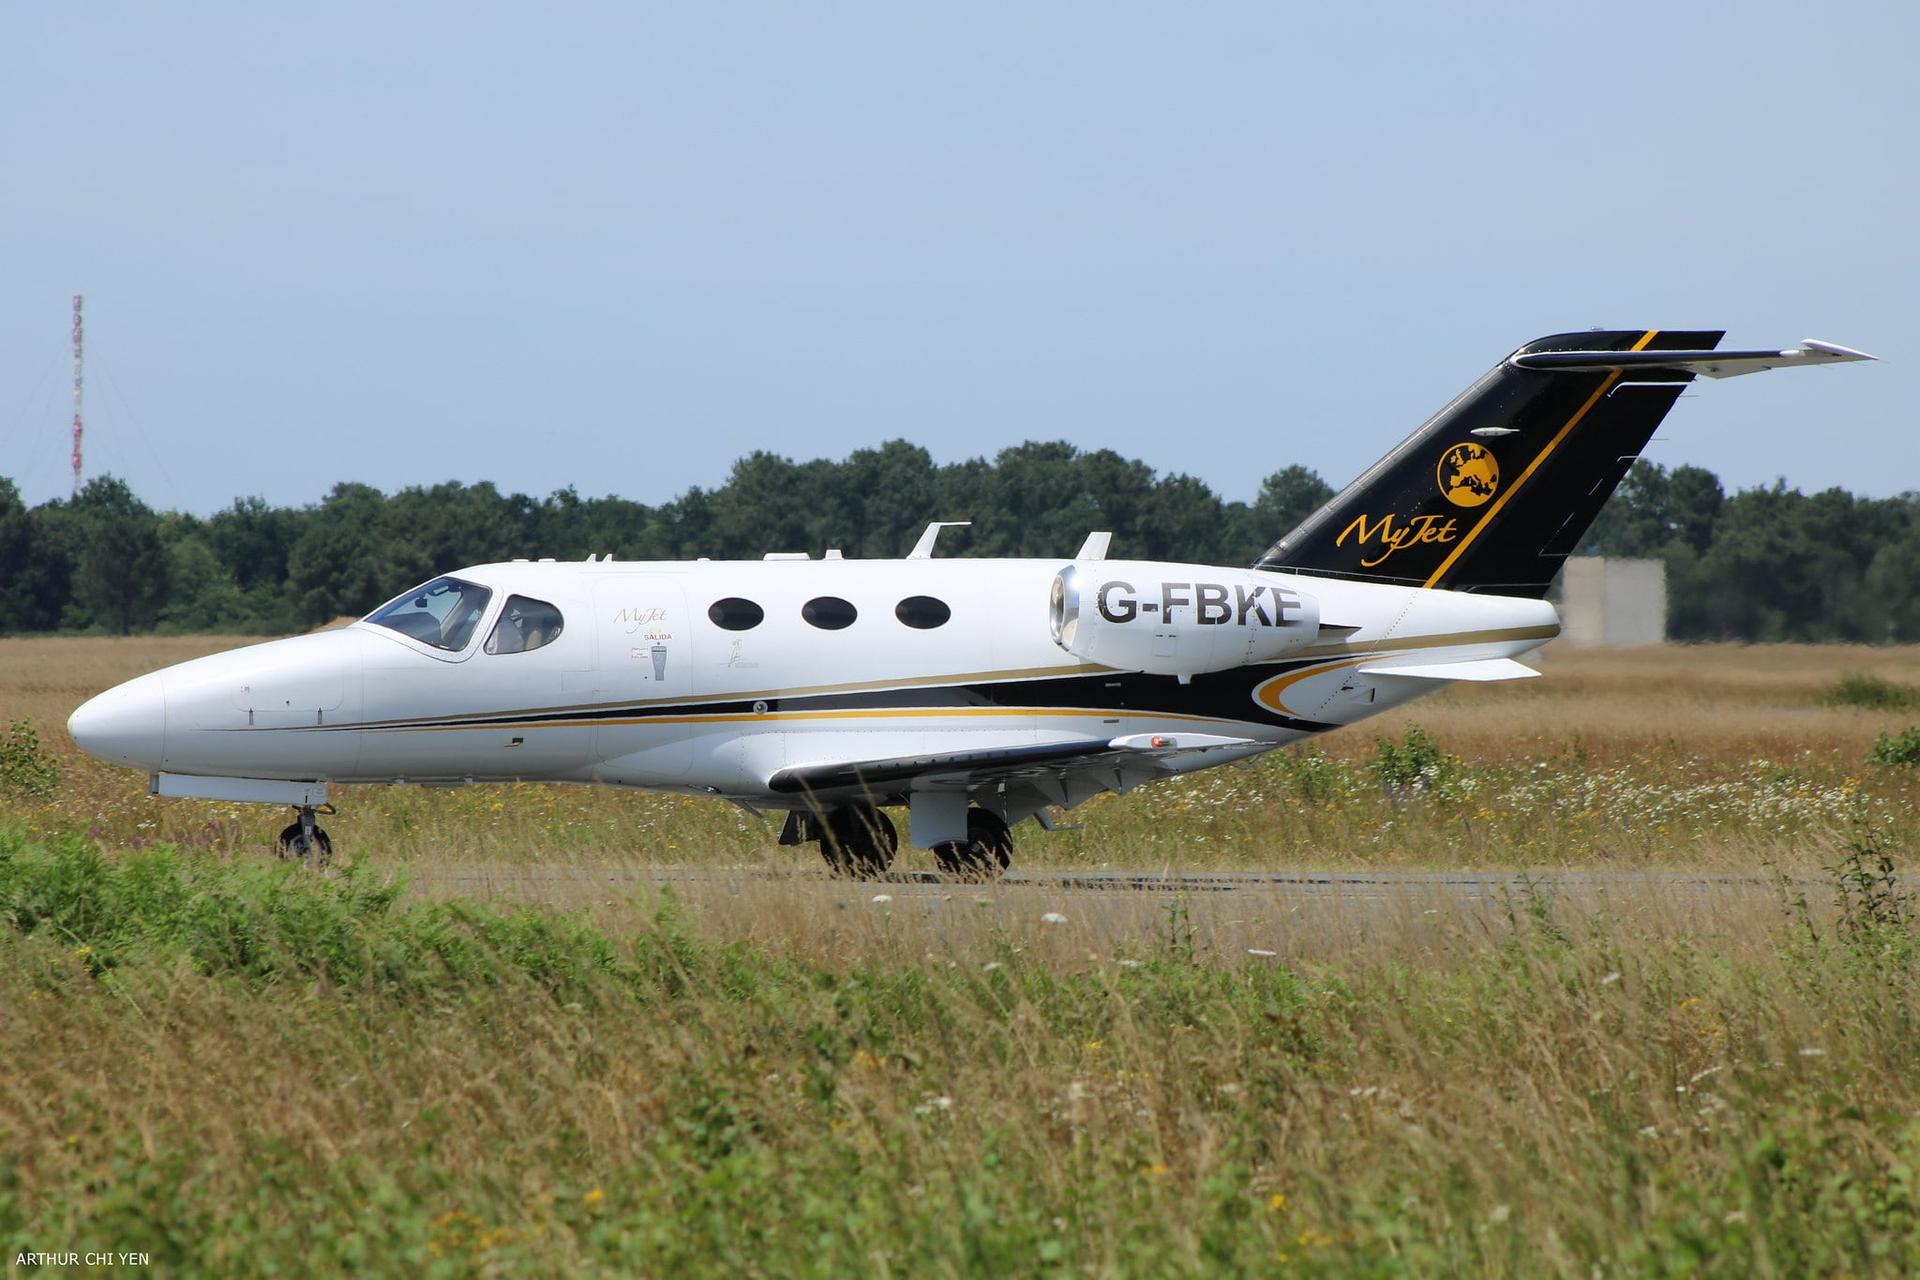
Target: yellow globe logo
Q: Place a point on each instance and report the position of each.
(1468, 474)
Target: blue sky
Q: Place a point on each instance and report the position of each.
(617, 246)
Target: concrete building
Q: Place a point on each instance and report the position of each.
(1613, 603)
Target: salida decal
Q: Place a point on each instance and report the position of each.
(649, 623)
(1391, 534)
(1468, 474)
(1212, 604)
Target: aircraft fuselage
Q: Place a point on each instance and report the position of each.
(642, 687)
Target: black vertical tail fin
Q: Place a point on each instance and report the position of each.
(1494, 491)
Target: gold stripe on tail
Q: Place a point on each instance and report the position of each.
(1605, 385)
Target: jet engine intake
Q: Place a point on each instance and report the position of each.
(1177, 619)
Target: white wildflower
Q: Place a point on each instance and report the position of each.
(1053, 917)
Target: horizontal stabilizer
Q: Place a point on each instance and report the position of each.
(1481, 670)
(1713, 364)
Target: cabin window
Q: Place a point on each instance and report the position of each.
(829, 613)
(735, 614)
(923, 613)
(443, 613)
(525, 625)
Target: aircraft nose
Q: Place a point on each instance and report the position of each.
(126, 725)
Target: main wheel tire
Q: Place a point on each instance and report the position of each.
(966, 859)
(293, 844)
(983, 856)
(989, 830)
(858, 842)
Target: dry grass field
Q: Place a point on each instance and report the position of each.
(484, 1043)
(1712, 757)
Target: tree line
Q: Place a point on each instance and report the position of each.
(1759, 564)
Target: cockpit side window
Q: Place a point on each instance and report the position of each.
(443, 613)
(525, 624)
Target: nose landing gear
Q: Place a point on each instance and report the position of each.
(304, 840)
(858, 842)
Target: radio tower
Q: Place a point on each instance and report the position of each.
(78, 387)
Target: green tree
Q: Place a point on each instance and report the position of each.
(202, 593)
(349, 557)
(122, 575)
(1893, 579)
(1286, 497)
(33, 572)
(1694, 501)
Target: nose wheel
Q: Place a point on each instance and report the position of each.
(305, 841)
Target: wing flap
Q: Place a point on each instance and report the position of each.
(1001, 764)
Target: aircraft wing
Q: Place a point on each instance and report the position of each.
(1055, 768)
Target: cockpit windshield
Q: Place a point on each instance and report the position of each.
(443, 613)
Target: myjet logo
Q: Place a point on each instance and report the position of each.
(1386, 536)
(1467, 475)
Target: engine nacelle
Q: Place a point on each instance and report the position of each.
(1178, 619)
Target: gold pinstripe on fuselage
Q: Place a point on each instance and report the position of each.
(1345, 653)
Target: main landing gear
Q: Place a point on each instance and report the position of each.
(858, 842)
(305, 841)
(984, 854)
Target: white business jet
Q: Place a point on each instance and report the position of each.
(975, 692)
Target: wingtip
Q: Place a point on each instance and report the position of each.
(1834, 350)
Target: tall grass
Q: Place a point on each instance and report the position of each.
(1871, 693)
(475, 1048)
(242, 1069)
